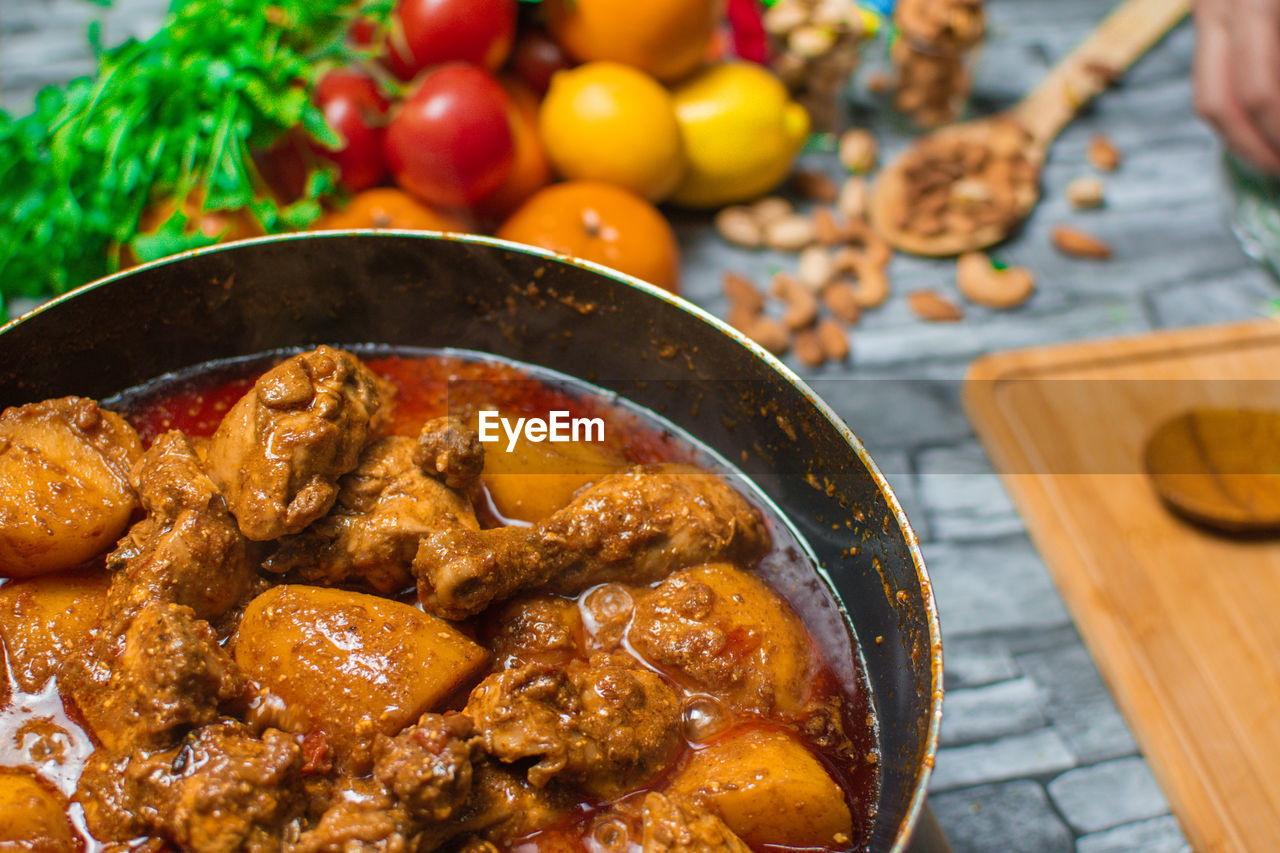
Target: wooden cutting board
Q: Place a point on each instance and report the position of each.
(1184, 624)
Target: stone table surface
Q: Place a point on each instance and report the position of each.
(1035, 756)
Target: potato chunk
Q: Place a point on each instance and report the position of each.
(32, 817)
(769, 789)
(718, 628)
(534, 480)
(351, 665)
(44, 621)
(65, 468)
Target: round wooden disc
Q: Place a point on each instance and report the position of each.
(1220, 467)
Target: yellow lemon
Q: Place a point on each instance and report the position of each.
(604, 121)
(741, 132)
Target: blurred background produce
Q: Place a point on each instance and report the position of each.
(252, 117)
(559, 123)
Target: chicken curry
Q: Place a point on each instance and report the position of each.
(298, 606)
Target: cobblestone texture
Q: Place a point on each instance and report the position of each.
(1015, 817)
(1160, 835)
(1107, 795)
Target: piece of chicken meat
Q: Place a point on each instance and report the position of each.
(222, 790)
(279, 452)
(451, 452)
(676, 827)
(188, 549)
(603, 726)
(159, 672)
(154, 666)
(635, 526)
(397, 495)
(421, 778)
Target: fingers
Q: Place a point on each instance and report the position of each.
(1255, 66)
(1224, 79)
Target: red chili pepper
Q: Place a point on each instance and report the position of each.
(747, 24)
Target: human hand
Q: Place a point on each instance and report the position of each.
(1237, 76)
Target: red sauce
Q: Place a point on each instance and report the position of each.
(424, 388)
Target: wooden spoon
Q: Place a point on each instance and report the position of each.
(1220, 467)
(1127, 33)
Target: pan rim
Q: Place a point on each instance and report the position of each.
(925, 766)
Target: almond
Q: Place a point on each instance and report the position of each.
(784, 285)
(802, 310)
(742, 318)
(841, 300)
(933, 306)
(742, 293)
(1103, 154)
(814, 185)
(835, 343)
(808, 348)
(768, 333)
(1079, 244)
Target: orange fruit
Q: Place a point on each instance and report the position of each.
(385, 207)
(666, 38)
(531, 170)
(604, 121)
(224, 226)
(600, 222)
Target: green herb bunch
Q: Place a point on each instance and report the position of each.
(177, 114)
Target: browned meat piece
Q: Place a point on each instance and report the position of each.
(504, 805)
(222, 790)
(188, 549)
(673, 827)
(154, 665)
(170, 479)
(66, 497)
(450, 451)
(427, 767)
(421, 778)
(724, 630)
(162, 673)
(602, 726)
(635, 526)
(279, 452)
(545, 629)
(384, 509)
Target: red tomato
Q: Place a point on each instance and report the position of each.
(354, 107)
(429, 32)
(451, 142)
(535, 57)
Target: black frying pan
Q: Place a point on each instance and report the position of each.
(476, 293)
